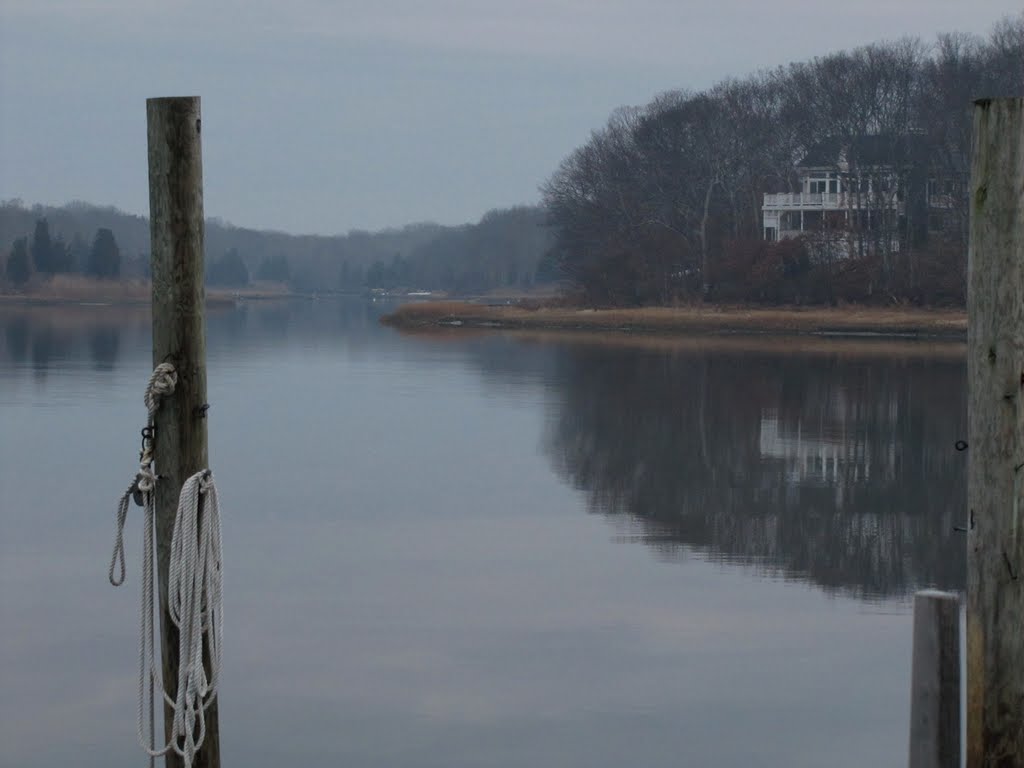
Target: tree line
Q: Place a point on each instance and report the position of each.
(664, 202)
(505, 249)
(48, 255)
(44, 255)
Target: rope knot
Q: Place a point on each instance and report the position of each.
(145, 480)
(161, 383)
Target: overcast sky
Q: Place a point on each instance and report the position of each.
(322, 116)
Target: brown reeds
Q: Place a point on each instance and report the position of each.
(866, 321)
(79, 289)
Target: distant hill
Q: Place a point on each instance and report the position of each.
(504, 248)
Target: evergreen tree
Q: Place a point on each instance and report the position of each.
(42, 248)
(18, 268)
(105, 257)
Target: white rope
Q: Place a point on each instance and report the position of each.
(162, 382)
(195, 604)
(195, 597)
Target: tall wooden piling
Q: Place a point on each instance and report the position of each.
(935, 681)
(995, 478)
(179, 337)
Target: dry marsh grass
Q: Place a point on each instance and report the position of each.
(78, 289)
(695, 319)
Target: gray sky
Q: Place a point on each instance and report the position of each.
(323, 116)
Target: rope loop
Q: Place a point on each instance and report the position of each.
(117, 559)
(162, 382)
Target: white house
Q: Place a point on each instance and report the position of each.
(878, 190)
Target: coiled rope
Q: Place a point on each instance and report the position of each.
(194, 594)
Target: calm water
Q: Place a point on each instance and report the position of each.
(487, 550)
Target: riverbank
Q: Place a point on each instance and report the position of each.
(75, 289)
(898, 322)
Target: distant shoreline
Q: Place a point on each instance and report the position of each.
(213, 298)
(859, 322)
(82, 291)
(862, 322)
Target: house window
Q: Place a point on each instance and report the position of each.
(833, 185)
(771, 233)
(818, 186)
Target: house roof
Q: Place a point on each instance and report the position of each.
(869, 150)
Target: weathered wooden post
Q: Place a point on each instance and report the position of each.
(179, 337)
(995, 477)
(935, 681)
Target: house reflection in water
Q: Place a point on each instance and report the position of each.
(832, 450)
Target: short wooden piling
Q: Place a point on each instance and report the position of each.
(995, 476)
(935, 682)
(179, 337)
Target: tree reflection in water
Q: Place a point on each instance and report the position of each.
(832, 468)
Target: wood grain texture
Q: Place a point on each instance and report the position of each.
(995, 368)
(935, 682)
(179, 337)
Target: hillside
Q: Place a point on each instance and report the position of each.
(503, 249)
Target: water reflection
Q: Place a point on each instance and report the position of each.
(49, 343)
(16, 339)
(388, 499)
(104, 343)
(44, 336)
(836, 469)
(833, 465)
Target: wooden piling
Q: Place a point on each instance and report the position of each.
(179, 337)
(995, 477)
(935, 681)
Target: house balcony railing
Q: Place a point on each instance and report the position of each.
(823, 201)
(798, 200)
